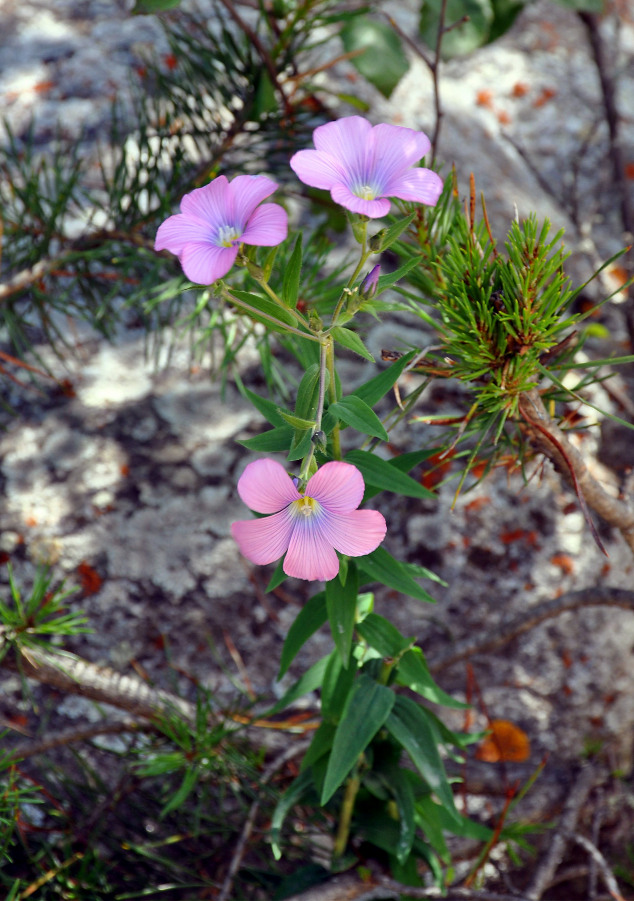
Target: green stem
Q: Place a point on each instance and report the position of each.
(261, 315)
(365, 253)
(278, 300)
(323, 360)
(345, 817)
(332, 396)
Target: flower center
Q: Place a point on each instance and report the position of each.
(305, 506)
(365, 191)
(227, 236)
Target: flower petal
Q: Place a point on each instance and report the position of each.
(176, 232)
(348, 141)
(211, 203)
(417, 185)
(310, 555)
(204, 263)
(372, 208)
(355, 534)
(337, 486)
(319, 170)
(247, 192)
(267, 226)
(266, 487)
(397, 149)
(263, 540)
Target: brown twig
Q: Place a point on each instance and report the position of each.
(512, 626)
(601, 862)
(557, 841)
(571, 465)
(71, 737)
(276, 764)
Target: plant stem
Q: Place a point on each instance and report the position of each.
(259, 314)
(345, 817)
(332, 395)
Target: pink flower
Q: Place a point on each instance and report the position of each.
(362, 165)
(310, 527)
(216, 219)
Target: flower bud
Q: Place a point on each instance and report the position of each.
(368, 286)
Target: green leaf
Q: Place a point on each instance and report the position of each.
(412, 671)
(311, 680)
(146, 7)
(274, 317)
(383, 474)
(320, 745)
(475, 16)
(277, 578)
(352, 341)
(380, 566)
(310, 618)
(408, 724)
(270, 442)
(393, 233)
(336, 687)
(264, 99)
(270, 410)
(399, 783)
(356, 413)
(290, 282)
(297, 422)
(300, 787)
(383, 61)
(373, 390)
(383, 636)
(341, 604)
(369, 706)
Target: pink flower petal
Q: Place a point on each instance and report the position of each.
(208, 203)
(397, 148)
(247, 192)
(204, 263)
(355, 534)
(266, 487)
(416, 185)
(178, 231)
(263, 540)
(319, 170)
(372, 208)
(337, 486)
(309, 555)
(267, 226)
(348, 141)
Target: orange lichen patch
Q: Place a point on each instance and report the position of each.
(618, 276)
(436, 468)
(89, 578)
(477, 504)
(171, 61)
(605, 569)
(566, 659)
(507, 743)
(511, 536)
(564, 562)
(545, 95)
(30, 521)
(504, 118)
(629, 170)
(4, 557)
(124, 469)
(484, 98)
(519, 89)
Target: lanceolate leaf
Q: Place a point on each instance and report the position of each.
(367, 710)
(380, 566)
(376, 388)
(383, 474)
(310, 618)
(290, 283)
(300, 787)
(356, 413)
(383, 636)
(352, 341)
(409, 725)
(413, 672)
(270, 442)
(341, 603)
(376, 41)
